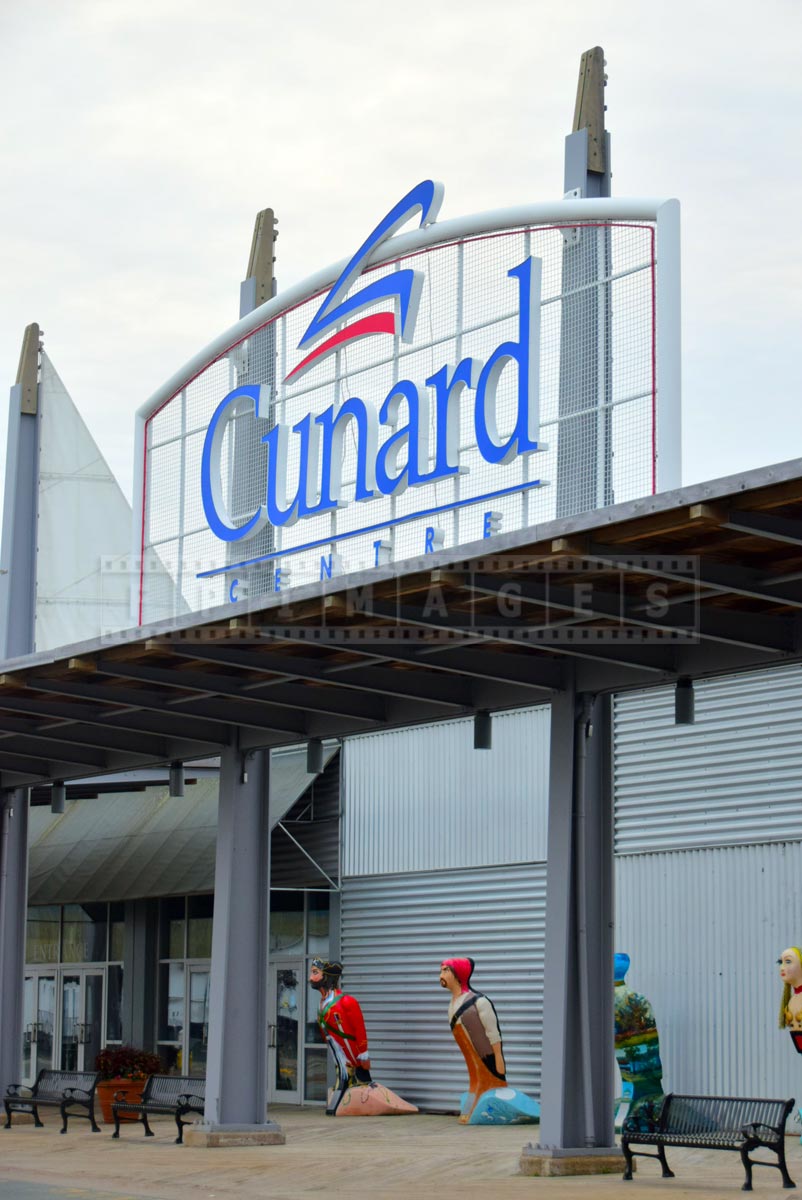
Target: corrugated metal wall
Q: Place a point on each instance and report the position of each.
(423, 799)
(734, 777)
(704, 929)
(708, 869)
(396, 930)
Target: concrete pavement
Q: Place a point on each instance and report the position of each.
(411, 1156)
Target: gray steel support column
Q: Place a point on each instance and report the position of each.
(236, 1075)
(20, 505)
(139, 980)
(13, 909)
(256, 363)
(584, 446)
(577, 1078)
(17, 609)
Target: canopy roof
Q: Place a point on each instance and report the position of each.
(702, 581)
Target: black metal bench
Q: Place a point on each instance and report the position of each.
(64, 1090)
(711, 1123)
(171, 1095)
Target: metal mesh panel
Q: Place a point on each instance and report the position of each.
(598, 395)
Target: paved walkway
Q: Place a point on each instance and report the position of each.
(416, 1157)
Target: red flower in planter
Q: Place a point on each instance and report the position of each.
(126, 1062)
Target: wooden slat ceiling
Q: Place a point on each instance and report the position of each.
(699, 582)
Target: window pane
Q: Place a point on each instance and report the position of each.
(287, 1047)
(116, 932)
(84, 935)
(315, 1075)
(41, 944)
(70, 1018)
(286, 921)
(171, 1002)
(114, 1005)
(313, 1033)
(317, 931)
(171, 939)
(199, 934)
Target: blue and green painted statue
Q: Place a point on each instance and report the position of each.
(637, 1052)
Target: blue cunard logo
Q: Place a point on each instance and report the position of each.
(403, 287)
(411, 437)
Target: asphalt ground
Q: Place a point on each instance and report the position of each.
(415, 1157)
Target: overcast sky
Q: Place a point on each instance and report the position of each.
(139, 139)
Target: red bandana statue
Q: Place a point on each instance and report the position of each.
(474, 1023)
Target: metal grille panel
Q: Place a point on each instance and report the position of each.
(578, 407)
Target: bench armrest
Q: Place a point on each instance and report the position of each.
(16, 1089)
(69, 1093)
(189, 1097)
(752, 1128)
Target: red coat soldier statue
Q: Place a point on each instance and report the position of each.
(343, 1027)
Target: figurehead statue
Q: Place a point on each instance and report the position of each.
(637, 1052)
(474, 1024)
(790, 964)
(342, 1025)
(324, 975)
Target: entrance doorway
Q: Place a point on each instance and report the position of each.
(62, 1020)
(81, 1019)
(285, 1000)
(198, 1031)
(39, 1023)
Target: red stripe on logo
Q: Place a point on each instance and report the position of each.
(378, 323)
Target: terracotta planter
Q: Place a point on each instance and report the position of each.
(106, 1089)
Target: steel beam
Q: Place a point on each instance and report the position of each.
(509, 631)
(30, 746)
(385, 682)
(722, 579)
(306, 699)
(762, 524)
(189, 706)
(163, 725)
(17, 625)
(13, 909)
(577, 1066)
(236, 1072)
(776, 633)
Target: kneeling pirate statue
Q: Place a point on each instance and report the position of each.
(355, 1093)
(489, 1100)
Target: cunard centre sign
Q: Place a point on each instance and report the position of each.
(449, 381)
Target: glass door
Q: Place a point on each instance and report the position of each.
(39, 1022)
(285, 997)
(198, 1031)
(81, 1019)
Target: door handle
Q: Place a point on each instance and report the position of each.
(271, 1039)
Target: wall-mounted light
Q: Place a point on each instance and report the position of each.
(684, 709)
(58, 796)
(176, 779)
(482, 730)
(314, 756)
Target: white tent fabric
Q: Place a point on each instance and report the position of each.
(134, 845)
(84, 528)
